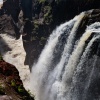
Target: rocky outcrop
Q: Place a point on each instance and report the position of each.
(11, 87)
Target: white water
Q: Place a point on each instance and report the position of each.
(84, 58)
(51, 81)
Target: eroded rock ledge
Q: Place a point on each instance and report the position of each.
(11, 87)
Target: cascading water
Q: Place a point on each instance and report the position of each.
(65, 67)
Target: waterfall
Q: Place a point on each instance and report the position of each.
(59, 72)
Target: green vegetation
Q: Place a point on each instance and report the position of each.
(41, 1)
(35, 31)
(48, 14)
(13, 83)
(2, 89)
(43, 38)
(20, 89)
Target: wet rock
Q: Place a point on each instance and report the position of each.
(11, 87)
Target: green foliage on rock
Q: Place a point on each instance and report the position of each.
(20, 89)
(13, 83)
(41, 1)
(48, 15)
(2, 89)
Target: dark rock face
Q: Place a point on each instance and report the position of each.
(11, 87)
(11, 7)
(5, 25)
(26, 6)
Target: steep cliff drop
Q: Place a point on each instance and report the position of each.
(68, 67)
